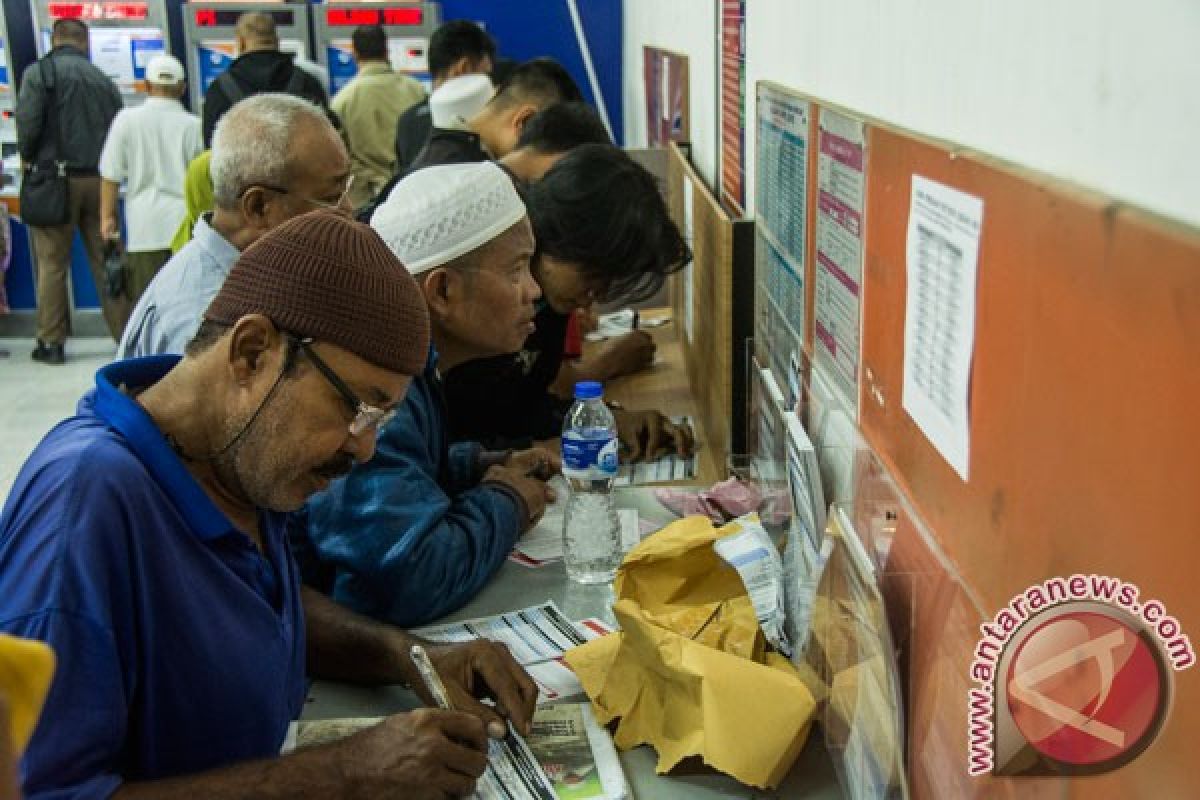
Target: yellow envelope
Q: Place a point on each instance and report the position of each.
(687, 673)
(26, 667)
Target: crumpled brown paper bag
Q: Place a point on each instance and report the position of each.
(688, 673)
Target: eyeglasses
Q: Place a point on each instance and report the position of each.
(336, 206)
(365, 416)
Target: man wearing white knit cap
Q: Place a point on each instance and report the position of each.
(417, 531)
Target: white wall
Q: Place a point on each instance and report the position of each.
(1102, 92)
(685, 26)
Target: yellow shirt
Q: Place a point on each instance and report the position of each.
(197, 198)
(369, 108)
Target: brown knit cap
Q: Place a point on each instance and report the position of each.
(326, 276)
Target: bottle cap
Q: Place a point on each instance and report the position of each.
(588, 390)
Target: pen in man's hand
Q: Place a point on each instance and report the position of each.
(437, 689)
(430, 677)
(636, 318)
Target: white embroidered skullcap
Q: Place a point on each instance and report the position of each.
(459, 99)
(439, 213)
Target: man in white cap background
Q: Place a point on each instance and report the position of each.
(482, 125)
(275, 156)
(458, 47)
(417, 531)
(148, 149)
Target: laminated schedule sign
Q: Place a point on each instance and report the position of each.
(839, 237)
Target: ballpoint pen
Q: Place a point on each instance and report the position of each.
(429, 676)
(436, 688)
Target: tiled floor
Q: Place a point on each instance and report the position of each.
(34, 397)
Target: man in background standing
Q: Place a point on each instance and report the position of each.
(369, 108)
(458, 47)
(260, 67)
(65, 91)
(149, 147)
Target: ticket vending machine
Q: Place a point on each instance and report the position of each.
(124, 35)
(408, 27)
(209, 28)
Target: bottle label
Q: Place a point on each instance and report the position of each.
(586, 457)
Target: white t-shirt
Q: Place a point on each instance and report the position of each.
(148, 148)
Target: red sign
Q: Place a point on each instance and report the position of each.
(347, 17)
(352, 16)
(403, 16)
(98, 11)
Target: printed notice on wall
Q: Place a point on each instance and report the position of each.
(782, 170)
(944, 225)
(839, 239)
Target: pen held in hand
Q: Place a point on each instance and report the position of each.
(437, 689)
(429, 677)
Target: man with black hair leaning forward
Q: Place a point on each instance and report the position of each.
(603, 234)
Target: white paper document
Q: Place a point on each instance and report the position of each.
(544, 543)
(534, 634)
(944, 226)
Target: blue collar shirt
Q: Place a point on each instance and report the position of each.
(170, 310)
(180, 645)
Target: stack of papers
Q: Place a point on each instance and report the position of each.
(536, 636)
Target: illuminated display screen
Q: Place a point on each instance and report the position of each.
(403, 16)
(98, 11)
(213, 17)
(345, 17)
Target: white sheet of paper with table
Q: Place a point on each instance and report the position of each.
(534, 634)
(944, 228)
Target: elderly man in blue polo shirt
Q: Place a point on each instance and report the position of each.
(144, 540)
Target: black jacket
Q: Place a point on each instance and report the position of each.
(505, 401)
(254, 73)
(444, 147)
(86, 101)
(412, 132)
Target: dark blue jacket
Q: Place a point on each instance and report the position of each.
(411, 535)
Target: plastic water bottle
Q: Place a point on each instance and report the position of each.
(591, 530)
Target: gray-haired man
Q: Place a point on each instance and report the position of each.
(274, 157)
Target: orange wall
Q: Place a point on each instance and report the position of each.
(1085, 442)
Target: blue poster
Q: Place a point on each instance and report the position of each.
(342, 68)
(5, 86)
(214, 58)
(143, 50)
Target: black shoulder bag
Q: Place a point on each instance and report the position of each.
(44, 185)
